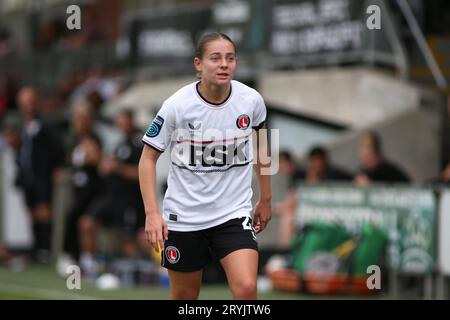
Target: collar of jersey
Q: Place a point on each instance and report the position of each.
(210, 104)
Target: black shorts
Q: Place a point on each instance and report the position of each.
(193, 250)
(40, 192)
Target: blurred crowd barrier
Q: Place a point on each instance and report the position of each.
(345, 233)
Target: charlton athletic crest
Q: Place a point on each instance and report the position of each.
(243, 121)
(172, 254)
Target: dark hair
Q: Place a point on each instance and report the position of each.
(318, 152)
(209, 37)
(287, 155)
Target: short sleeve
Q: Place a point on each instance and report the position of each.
(260, 113)
(158, 134)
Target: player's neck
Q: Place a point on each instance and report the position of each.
(214, 93)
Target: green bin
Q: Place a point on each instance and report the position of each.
(369, 250)
(316, 237)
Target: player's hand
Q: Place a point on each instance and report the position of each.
(156, 231)
(262, 215)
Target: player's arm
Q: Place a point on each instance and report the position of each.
(263, 210)
(155, 226)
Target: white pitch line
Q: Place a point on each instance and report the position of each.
(41, 292)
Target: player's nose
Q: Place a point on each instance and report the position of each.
(224, 63)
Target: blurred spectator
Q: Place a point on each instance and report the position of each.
(70, 82)
(51, 103)
(11, 137)
(95, 99)
(374, 167)
(319, 168)
(49, 33)
(286, 208)
(98, 85)
(289, 169)
(6, 43)
(445, 176)
(39, 154)
(111, 84)
(120, 205)
(7, 94)
(10, 133)
(85, 158)
(90, 84)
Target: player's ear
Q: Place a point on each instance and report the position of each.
(198, 64)
(198, 67)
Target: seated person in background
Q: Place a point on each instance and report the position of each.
(320, 170)
(120, 205)
(286, 208)
(374, 167)
(445, 176)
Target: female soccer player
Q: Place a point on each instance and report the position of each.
(207, 209)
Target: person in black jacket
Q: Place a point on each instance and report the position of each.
(374, 166)
(39, 154)
(120, 205)
(85, 157)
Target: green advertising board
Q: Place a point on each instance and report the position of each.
(406, 215)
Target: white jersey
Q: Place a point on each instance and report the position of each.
(211, 149)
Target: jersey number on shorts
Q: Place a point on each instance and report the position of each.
(247, 225)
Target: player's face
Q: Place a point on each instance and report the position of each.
(218, 63)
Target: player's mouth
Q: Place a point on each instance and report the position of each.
(223, 75)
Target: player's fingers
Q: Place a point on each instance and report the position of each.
(263, 224)
(153, 239)
(257, 227)
(256, 219)
(165, 231)
(160, 243)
